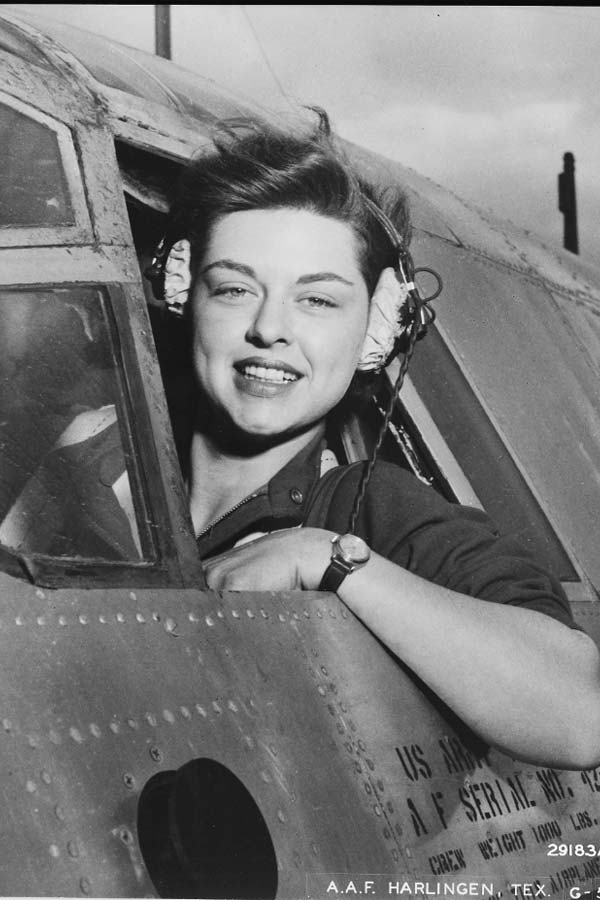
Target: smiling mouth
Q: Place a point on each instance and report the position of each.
(267, 375)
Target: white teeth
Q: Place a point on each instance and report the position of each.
(275, 375)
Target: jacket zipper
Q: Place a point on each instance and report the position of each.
(216, 521)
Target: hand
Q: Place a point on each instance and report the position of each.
(287, 560)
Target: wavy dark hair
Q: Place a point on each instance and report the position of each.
(252, 167)
(255, 168)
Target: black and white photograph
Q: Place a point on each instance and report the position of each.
(299, 451)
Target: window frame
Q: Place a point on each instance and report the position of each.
(80, 231)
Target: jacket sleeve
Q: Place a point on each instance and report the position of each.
(452, 545)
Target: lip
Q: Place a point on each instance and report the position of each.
(256, 387)
(263, 363)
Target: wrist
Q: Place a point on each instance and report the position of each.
(316, 556)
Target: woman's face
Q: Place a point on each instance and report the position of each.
(280, 311)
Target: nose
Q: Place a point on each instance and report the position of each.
(270, 323)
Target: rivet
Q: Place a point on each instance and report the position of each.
(220, 614)
(45, 776)
(73, 849)
(296, 496)
(387, 833)
(281, 617)
(59, 813)
(193, 617)
(185, 712)
(31, 787)
(314, 849)
(150, 719)
(95, 730)
(83, 620)
(344, 614)
(324, 670)
(85, 885)
(114, 727)
(361, 746)
(348, 746)
(55, 738)
(281, 816)
(264, 614)
(54, 851)
(389, 806)
(377, 809)
(295, 616)
(352, 725)
(368, 788)
(132, 596)
(232, 706)
(235, 614)
(170, 626)
(250, 743)
(120, 618)
(32, 741)
(265, 777)
(249, 613)
(216, 707)
(125, 836)
(168, 716)
(319, 614)
(332, 614)
(132, 724)
(209, 621)
(139, 618)
(380, 786)
(7, 725)
(395, 855)
(102, 619)
(155, 754)
(76, 735)
(201, 711)
(407, 850)
(156, 617)
(19, 620)
(398, 829)
(40, 594)
(41, 620)
(369, 762)
(62, 620)
(306, 614)
(358, 767)
(128, 781)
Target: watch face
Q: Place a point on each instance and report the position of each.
(353, 548)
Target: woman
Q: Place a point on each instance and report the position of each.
(286, 268)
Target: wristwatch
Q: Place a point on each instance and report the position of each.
(348, 553)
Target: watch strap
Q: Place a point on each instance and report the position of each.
(334, 574)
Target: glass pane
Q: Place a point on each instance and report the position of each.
(33, 189)
(64, 488)
(483, 457)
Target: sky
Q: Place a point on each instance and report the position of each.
(485, 100)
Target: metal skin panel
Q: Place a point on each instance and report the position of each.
(352, 768)
(522, 353)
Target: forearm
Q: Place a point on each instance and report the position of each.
(524, 682)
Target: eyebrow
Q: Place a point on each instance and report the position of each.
(249, 271)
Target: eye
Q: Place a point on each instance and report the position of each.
(232, 291)
(314, 301)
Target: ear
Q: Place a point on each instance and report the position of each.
(387, 321)
(178, 277)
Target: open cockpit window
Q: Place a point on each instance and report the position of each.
(65, 488)
(41, 196)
